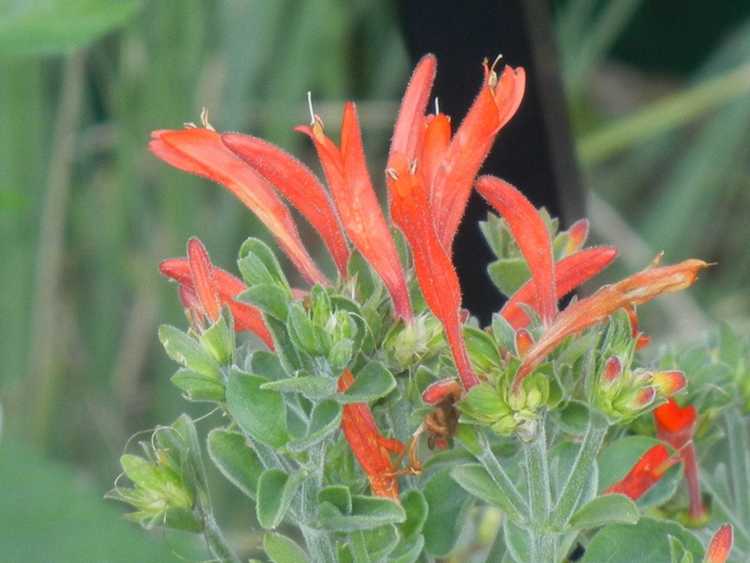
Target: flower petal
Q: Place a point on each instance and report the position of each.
(201, 151)
(531, 235)
(647, 471)
(435, 273)
(497, 101)
(721, 545)
(437, 139)
(570, 272)
(298, 185)
(203, 284)
(358, 206)
(407, 133)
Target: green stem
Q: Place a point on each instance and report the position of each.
(217, 543)
(580, 472)
(319, 542)
(537, 478)
(537, 475)
(516, 507)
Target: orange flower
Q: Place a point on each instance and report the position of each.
(497, 101)
(676, 426)
(372, 450)
(201, 151)
(633, 290)
(410, 209)
(570, 272)
(202, 286)
(299, 185)
(647, 471)
(345, 170)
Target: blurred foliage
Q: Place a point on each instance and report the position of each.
(86, 213)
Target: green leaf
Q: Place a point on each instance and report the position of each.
(141, 472)
(648, 540)
(475, 480)
(235, 459)
(268, 365)
(301, 329)
(187, 352)
(372, 382)
(198, 387)
(259, 412)
(52, 27)
(416, 509)
(380, 542)
(313, 387)
(218, 340)
(271, 299)
(608, 509)
(286, 352)
(281, 549)
(482, 349)
(678, 552)
(276, 490)
(324, 420)
(408, 552)
(447, 510)
(505, 335)
(261, 265)
(339, 496)
(367, 513)
(508, 274)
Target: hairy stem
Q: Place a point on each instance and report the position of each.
(580, 472)
(538, 483)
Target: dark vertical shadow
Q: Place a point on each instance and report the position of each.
(534, 150)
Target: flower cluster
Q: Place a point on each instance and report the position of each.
(377, 361)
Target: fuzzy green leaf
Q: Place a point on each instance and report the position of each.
(282, 549)
(372, 382)
(276, 490)
(608, 509)
(188, 352)
(198, 387)
(235, 459)
(259, 412)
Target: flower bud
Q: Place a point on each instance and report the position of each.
(668, 383)
(523, 342)
(612, 370)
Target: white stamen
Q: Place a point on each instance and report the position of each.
(310, 106)
(437, 106)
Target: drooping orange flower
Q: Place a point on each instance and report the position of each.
(372, 450)
(298, 185)
(201, 151)
(200, 293)
(647, 471)
(570, 272)
(410, 209)
(633, 290)
(721, 544)
(497, 101)
(676, 426)
(345, 170)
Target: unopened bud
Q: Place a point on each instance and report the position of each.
(440, 390)
(669, 382)
(612, 370)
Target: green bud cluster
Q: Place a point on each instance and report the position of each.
(410, 344)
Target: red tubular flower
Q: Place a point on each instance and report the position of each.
(202, 152)
(497, 101)
(570, 272)
(633, 290)
(227, 287)
(441, 390)
(298, 185)
(647, 471)
(435, 273)
(372, 450)
(721, 544)
(531, 235)
(345, 170)
(676, 426)
(437, 139)
(409, 129)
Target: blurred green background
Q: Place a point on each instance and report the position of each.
(658, 96)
